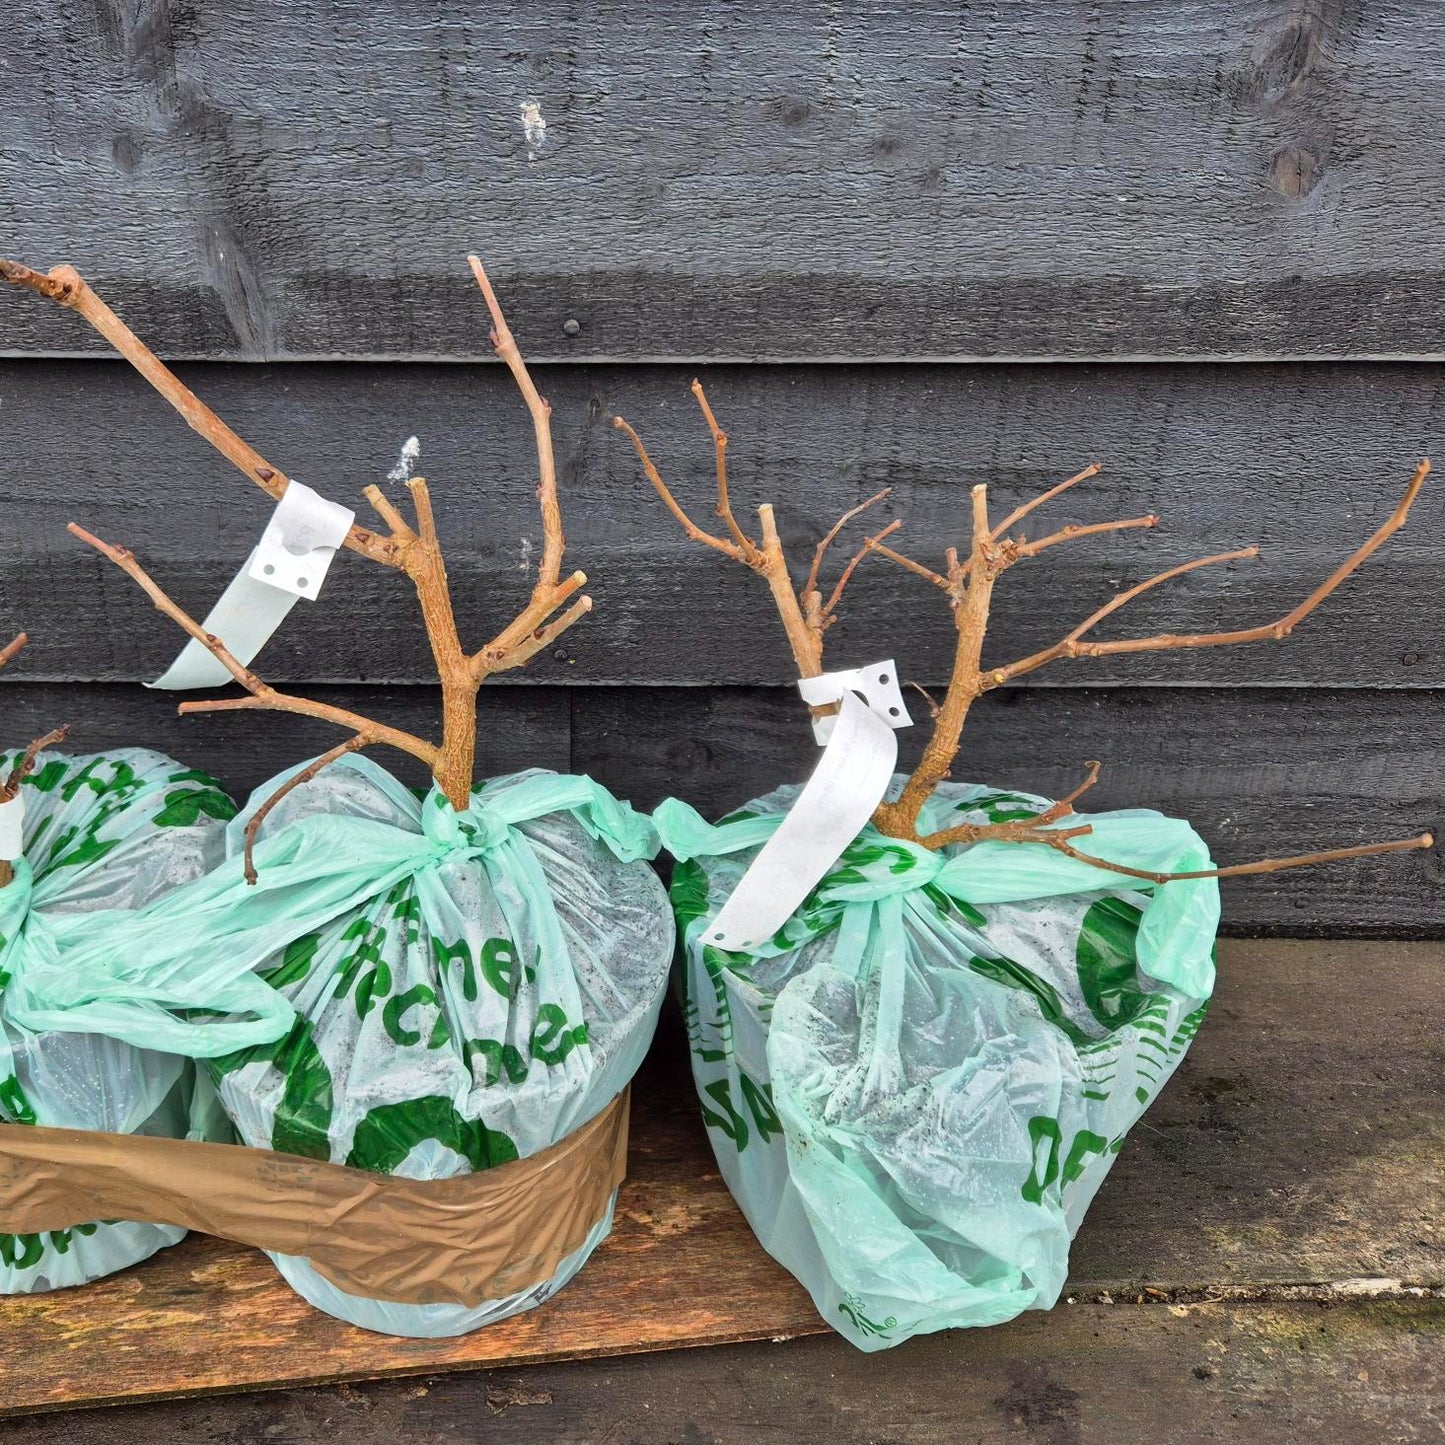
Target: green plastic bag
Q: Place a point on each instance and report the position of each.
(101, 832)
(915, 1089)
(406, 989)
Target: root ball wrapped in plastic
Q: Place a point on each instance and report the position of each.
(470, 988)
(101, 832)
(915, 1082)
(916, 1087)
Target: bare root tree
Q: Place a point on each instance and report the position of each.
(26, 764)
(806, 616)
(412, 548)
(967, 581)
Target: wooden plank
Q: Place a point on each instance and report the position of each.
(1260, 773)
(1353, 1373)
(1215, 450)
(517, 728)
(1299, 1148)
(1226, 177)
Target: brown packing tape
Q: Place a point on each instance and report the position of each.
(466, 1240)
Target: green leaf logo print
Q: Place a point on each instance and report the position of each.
(186, 806)
(390, 1132)
(303, 1117)
(1107, 959)
(852, 1307)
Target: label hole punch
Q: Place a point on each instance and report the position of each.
(290, 561)
(883, 678)
(892, 712)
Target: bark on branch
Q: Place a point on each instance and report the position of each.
(970, 586)
(805, 616)
(413, 549)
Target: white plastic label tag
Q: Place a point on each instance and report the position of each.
(290, 561)
(299, 541)
(12, 824)
(878, 684)
(849, 782)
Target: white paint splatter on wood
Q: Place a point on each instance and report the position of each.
(534, 129)
(410, 451)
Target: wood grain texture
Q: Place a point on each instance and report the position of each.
(1222, 177)
(1299, 1148)
(1304, 460)
(1353, 1373)
(1260, 773)
(517, 728)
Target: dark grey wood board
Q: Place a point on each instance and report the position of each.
(1353, 1373)
(1259, 772)
(1220, 177)
(1305, 460)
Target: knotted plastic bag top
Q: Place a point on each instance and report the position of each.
(916, 1086)
(472, 1000)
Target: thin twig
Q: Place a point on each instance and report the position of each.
(1019, 513)
(1071, 532)
(1066, 647)
(7, 653)
(742, 551)
(927, 696)
(811, 585)
(917, 568)
(400, 529)
(25, 766)
(1065, 805)
(720, 448)
(1275, 631)
(549, 568)
(351, 745)
(830, 607)
(1237, 870)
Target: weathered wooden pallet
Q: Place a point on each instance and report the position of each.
(1293, 1168)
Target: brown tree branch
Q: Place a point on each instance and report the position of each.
(821, 550)
(1275, 631)
(351, 745)
(1064, 648)
(530, 630)
(830, 607)
(26, 765)
(1019, 513)
(23, 768)
(66, 286)
(8, 652)
(1238, 870)
(741, 550)
(1072, 531)
(917, 568)
(415, 551)
(549, 568)
(805, 616)
(720, 448)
